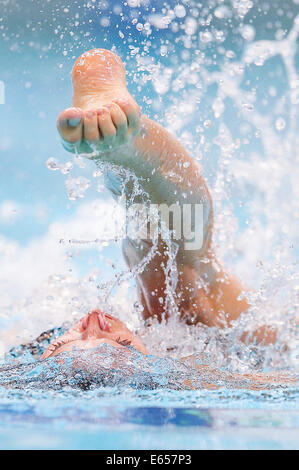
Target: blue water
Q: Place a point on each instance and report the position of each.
(35, 35)
(110, 419)
(47, 406)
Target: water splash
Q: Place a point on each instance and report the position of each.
(228, 88)
(105, 366)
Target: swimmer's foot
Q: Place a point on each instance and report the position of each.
(105, 115)
(101, 129)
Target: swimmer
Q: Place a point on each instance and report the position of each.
(98, 328)
(94, 329)
(106, 123)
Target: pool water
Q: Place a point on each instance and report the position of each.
(135, 403)
(222, 75)
(127, 419)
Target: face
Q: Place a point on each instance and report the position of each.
(94, 329)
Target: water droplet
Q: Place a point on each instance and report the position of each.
(280, 124)
(66, 168)
(247, 32)
(222, 12)
(248, 106)
(97, 174)
(83, 183)
(105, 22)
(190, 26)
(79, 161)
(52, 164)
(134, 50)
(134, 3)
(76, 187)
(163, 51)
(230, 54)
(72, 195)
(206, 36)
(180, 11)
(242, 6)
(218, 107)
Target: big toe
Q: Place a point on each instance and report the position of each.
(70, 125)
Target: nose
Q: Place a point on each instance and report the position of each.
(94, 325)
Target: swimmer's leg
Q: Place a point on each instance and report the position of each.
(106, 117)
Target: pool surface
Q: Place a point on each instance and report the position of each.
(114, 419)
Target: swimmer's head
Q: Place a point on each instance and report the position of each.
(97, 71)
(91, 331)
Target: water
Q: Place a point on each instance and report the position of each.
(222, 76)
(162, 420)
(139, 404)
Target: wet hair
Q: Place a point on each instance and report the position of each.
(37, 347)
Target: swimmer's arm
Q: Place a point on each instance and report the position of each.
(213, 378)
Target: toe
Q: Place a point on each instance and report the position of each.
(132, 111)
(106, 124)
(91, 128)
(119, 120)
(69, 125)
